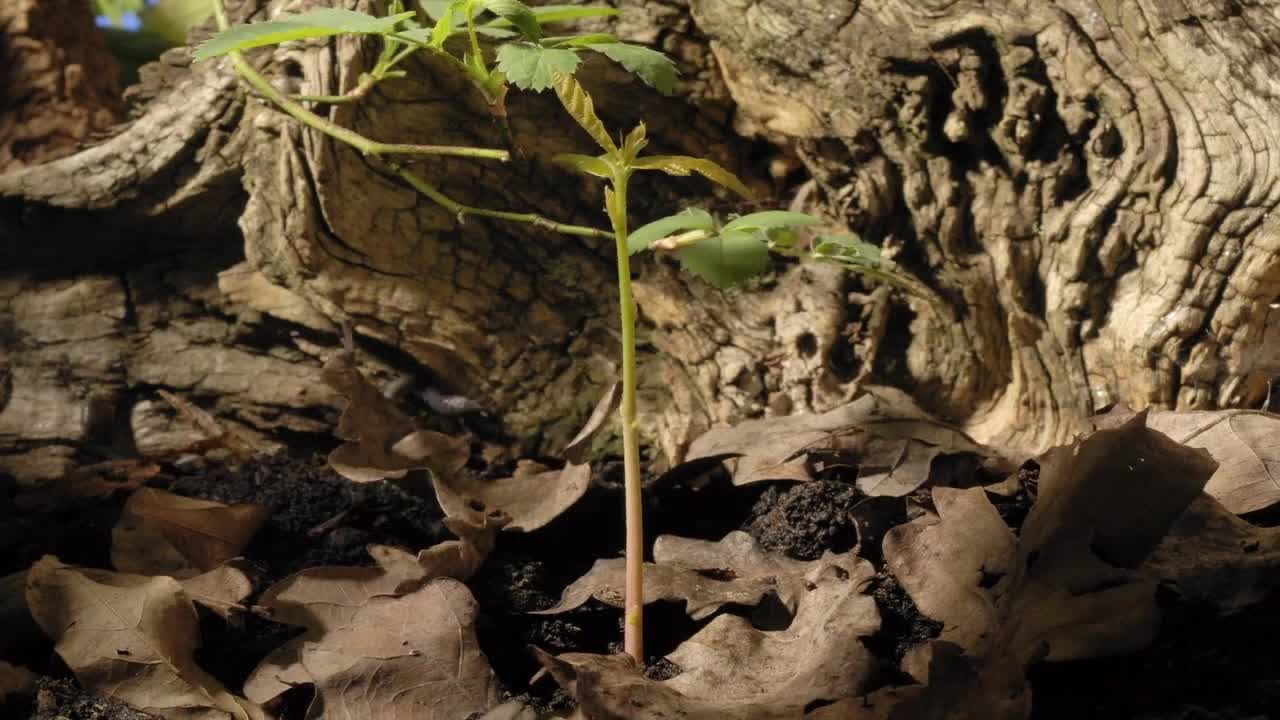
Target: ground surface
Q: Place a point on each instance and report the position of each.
(1200, 667)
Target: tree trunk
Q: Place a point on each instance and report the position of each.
(1082, 187)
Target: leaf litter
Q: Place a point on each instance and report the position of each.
(775, 636)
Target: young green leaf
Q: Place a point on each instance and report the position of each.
(578, 41)
(688, 219)
(771, 219)
(577, 102)
(310, 24)
(654, 68)
(849, 248)
(565, 13)
(518, 14)
(634, 142)
(684, 165)
(584, 164)
(435, 9)
(726, 259)
(534, 67)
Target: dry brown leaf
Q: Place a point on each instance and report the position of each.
(458, 559)
(894, 446)
(318, 599)
(413, 657)
(532, 497)
(1070, 587)
(1213, 558)
(324, 599)
(819, 656)
(160, 533)
(1246, 444)
(87, 483)
(681, 572)
(578, 448)
(733, 670)
(131, 638)
(382, 441)
(945, 565)
(222, 589)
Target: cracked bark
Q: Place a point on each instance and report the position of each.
(1086, 187)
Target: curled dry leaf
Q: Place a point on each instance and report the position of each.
(535, 494)
(691, 570)
(412, 657)
(1070, 587)
(324, 599)
(733, 670)
(1213, 558)
(532, 497)
(894, 446)
(160, 533)
(131, 638)
(458, 559)
(382, 441)
(579, 447)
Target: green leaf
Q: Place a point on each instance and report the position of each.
(533, 67)
(726, 259)
(444, 25)
(588, 164)
(847, 247)
(577, 102)
(578, 41)
(518, 14)
(684, 165)
(771, 219)
(310, 24)
(634, 142)
(688, 219)
(654, 68)
(564, 13)
(435, 9)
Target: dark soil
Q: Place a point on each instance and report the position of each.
(1201, 666)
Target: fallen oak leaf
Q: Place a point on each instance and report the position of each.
(893, 445)
(1073, 589)
(532, 497)
(691, 570)
(381, 440)
(323, 599)
(733, 671)
(1213, 558)
(222, 589)
(131, 638)
(820, 655)
(410, 657)
(1244, 442)
(160, 533)
(459, 559)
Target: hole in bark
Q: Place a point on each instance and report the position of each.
(293, 70)
(807, 345)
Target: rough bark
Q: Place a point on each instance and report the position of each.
(1084, 187)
